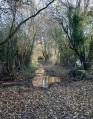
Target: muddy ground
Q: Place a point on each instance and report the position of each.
(73, 100)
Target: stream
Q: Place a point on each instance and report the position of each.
(43, 80)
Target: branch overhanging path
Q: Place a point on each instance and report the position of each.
(24, 21)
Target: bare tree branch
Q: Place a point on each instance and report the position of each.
(17, 28)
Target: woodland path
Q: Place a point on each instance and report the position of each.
(72, 100)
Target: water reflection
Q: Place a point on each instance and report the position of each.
(41, 80)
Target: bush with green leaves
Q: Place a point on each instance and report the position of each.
(77, 74)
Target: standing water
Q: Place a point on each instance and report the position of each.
(42, 80)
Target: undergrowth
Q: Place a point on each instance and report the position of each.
(29, 70)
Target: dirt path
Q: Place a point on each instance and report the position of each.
(71, 101)
(58, 71)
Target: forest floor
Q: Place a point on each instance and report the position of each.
(65, 100)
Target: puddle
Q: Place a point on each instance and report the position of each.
(41, 80)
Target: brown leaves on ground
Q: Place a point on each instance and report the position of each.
(72, 101)
(57, 71)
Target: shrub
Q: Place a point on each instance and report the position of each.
(29, 70)
(77, 74)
